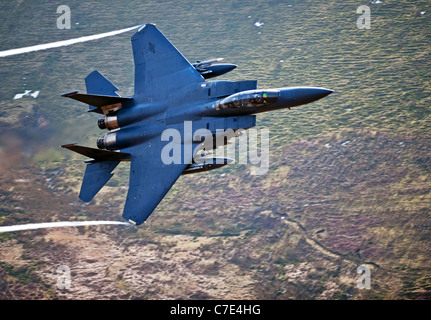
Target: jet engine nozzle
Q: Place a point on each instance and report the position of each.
(127, 137)
(108, 122)
(101, 123)
(108, 142)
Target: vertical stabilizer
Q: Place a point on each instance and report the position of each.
(96, 83)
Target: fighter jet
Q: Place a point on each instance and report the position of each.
(170, 94)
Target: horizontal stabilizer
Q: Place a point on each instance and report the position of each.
(96, 100)
(96, 175)
(97, 154)
(103, 102)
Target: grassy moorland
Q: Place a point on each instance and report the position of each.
(349, 177)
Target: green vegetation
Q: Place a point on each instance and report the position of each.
(349, 178)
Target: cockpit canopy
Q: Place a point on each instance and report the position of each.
(251, 98)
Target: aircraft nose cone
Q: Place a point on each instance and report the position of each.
(309, 94)
(231, 67)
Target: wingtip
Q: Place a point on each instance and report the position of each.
(68, 94)
(146, 26)
(68, 145)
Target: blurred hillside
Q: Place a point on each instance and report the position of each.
(349, 180)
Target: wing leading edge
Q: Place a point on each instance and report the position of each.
(150, 180)
(160, 68)
(160, 71)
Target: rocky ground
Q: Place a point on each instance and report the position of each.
(327, 206)
(349, 177)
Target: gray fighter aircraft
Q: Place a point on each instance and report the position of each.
(170, 93)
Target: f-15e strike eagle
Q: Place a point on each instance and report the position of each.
(170, 93)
